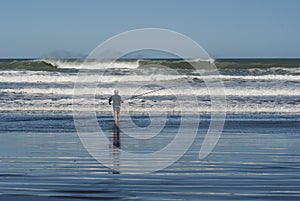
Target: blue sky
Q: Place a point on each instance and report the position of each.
(225, 28)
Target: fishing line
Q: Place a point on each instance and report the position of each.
(149, 92)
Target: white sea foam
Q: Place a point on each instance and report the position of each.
(26, 90)
(139, 106)
(240, 100)
(237, 91)
(57, 77)
(64, 78)
(95, 65)
(261, 77)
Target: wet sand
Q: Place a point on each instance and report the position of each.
(257, 158)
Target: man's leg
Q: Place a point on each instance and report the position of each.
(115, 116)
(118, 114)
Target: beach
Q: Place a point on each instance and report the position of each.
(42, 157)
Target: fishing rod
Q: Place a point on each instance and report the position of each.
(149, 92)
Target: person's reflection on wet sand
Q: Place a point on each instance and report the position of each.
(116, 146)
(116, 139)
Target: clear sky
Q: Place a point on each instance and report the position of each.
(225, 28)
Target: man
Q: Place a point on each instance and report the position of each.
(116, 102)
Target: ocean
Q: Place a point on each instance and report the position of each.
(42, 156)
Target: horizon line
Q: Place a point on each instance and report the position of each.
(159, 58)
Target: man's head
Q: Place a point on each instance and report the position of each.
(116, 91)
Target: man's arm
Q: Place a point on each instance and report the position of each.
(109, 100)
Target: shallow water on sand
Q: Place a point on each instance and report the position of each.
(256, 158)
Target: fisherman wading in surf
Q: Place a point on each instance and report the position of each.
(116, 103)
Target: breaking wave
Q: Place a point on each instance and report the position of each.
(225, 66)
